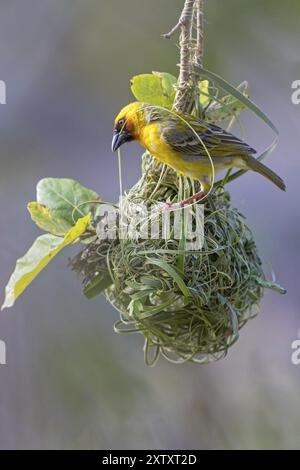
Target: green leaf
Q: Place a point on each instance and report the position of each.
(66, 198)
(204, 93)
(168, 83)
(44, 249)
(248, 104)
(228, 107)
(47, 220)
(97, 285)
(239, 96)
(157, 89)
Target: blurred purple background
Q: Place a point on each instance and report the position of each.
(70, 382)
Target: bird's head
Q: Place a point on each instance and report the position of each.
(127, 124)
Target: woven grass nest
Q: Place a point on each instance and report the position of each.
(189, 305)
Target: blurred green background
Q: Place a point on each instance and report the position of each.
(70, 382)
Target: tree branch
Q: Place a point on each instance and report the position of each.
(199, 53)
(173, 31)
(184, 93)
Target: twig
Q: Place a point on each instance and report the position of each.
(199, 53)
(184, 93)
(173, 31)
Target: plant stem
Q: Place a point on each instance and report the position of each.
(184, 93)
(199, 53)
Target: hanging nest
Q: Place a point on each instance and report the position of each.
(189, 305)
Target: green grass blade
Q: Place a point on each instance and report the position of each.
(238, 95)
(173, 273)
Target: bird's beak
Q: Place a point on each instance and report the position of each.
(119, 138)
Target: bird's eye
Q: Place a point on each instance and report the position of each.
(121, 122)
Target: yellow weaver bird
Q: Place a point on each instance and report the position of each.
(188, 145)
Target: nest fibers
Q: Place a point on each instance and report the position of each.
(189, 305)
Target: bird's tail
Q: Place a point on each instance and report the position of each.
(255, 165)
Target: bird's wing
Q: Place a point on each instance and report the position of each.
(199, 136)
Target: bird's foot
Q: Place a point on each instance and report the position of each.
(181, 204)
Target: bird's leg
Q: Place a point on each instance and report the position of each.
(187, 201)
(205, 187)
